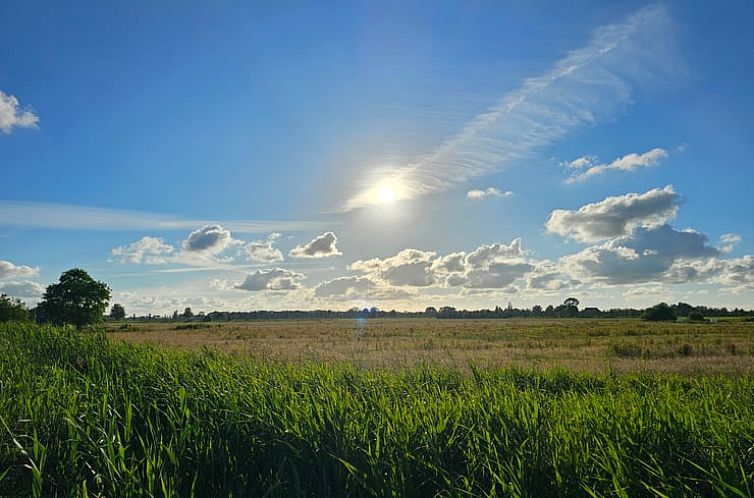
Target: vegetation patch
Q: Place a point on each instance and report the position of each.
(82, 416)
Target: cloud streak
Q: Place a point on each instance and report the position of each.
(72, 217)
(588, 85)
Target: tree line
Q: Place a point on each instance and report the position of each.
(77, 299)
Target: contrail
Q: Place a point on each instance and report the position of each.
(588, 85)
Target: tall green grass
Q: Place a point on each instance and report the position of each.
(83, 417)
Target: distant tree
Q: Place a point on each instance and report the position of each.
(570, 307)
(13, 310)
(571, 301)
(175, 315)
(536, 310)
(187, 313)
(659, 313)
(447, 312)
(431, 311)
(549, 311)
(117, 312)
(696, 316)
(76, 299)
(373, 312)
(682, 309)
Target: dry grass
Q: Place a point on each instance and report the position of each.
(578, 345)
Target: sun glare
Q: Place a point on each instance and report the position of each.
(385, 194)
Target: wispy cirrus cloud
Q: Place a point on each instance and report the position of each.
(587, 85)
(73, 217)
(13, 116)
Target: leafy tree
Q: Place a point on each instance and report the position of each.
(659, 313)
(76, 299)
(13, 310)
(431, 311)
(117, 312)
(187, 313)
(696, 316)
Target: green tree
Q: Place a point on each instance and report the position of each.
(117, 312)
(13, 310)
(76, 299)
(187, 313)
(659, 313)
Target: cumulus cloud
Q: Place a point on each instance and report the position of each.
(208, 239)
(11, 270)
(547, 276)
(358, 288)
(478, 195)
(323, 246)
(738, 272)
(409, 267)
(490, 266)
(729, 241)
(276, 279)
(148, 250)
(615, 216)
(263, 250)
(648, 254)
(22, 289)
(590, 167)
(13, 116)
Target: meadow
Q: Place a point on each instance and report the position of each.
(84, 414)
(582, 345)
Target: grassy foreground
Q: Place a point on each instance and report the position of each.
(82, 416)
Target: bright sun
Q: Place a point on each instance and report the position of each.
(385, 194)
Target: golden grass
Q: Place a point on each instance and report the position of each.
(577, 344)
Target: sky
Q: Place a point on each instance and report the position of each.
(284, 155)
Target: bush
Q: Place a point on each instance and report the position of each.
(659, 313)
(696, 316)
(13, 310)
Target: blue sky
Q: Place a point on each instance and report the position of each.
(246, 155)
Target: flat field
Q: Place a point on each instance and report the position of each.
(582, 345)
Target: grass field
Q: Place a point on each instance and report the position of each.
(581, 345)
(83, 415)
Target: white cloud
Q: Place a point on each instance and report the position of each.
(22, 289)
(492, 266)
(13, 116)
(478, 195)
(11, 270)
(615, 216)
(648, 254)
(409, 267)
(358, 289)
(547, 276)
(70, 217)
(729, 241)
(323, 246)
(587, 85)
(730, 238)
(146, 250)
(208, 239)
(629, 162)
(276, 279)
(738, 272)
(263, 250)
